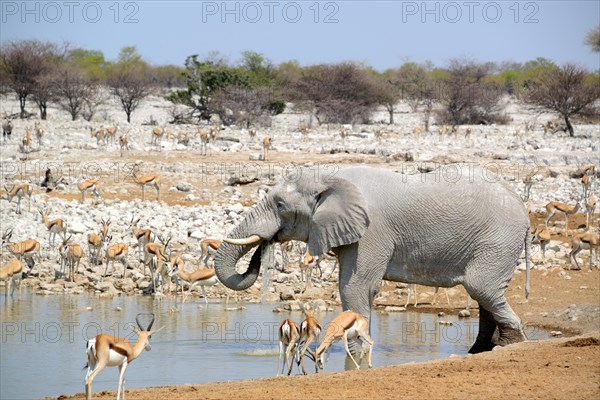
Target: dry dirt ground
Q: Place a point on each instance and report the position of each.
(557, 369)
(567, 367)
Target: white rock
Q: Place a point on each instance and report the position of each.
(76, 227)
(237, 208)
(197, 234)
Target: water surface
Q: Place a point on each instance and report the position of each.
(42, 348)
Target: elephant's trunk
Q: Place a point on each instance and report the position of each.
(259, 224)
(225, 266)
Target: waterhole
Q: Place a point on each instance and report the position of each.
(42, 349)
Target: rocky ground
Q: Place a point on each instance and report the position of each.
(205, 196)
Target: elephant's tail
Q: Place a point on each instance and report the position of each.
(527, 262)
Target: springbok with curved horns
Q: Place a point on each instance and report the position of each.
(26, 249)
(56, 226)
(96, 240)
(142, 236)
(111, 351)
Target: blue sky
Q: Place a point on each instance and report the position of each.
(383, 34)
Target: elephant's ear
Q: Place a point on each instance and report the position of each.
(340, 217)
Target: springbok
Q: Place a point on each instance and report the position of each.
(156, 257)
(310, 329)
(201, 276)
(26, 143)
(115, 252)
(157, 134)
(204, 139)
(96, 242)
(110, 351)
(142, 236)
(289, 336)
(11, 272)
(214, 131)
(347, 325)
(26, 249)
(89, 185)
(123, 144)
(590, 206)
(266, 142)
(56, 226)
(71, 255)
(208, 248)
(39, 133)
(584, 241)
(19, 192)
(7, 127)
(555, 207)
(148, 179)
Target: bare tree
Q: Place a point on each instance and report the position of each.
(341, 93)
(23, 63)
(565, 90)
(249, 106)
(417, 88)
(75, 92)
(388, 95)
(130, 86)
(466, 98)
(44, 92)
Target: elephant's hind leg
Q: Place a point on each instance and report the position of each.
(495, 313)
(487, 327)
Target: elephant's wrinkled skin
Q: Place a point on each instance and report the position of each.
(459, 225)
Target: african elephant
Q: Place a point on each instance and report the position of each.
(456, 225)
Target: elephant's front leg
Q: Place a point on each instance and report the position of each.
(359, 281)
(360, 278)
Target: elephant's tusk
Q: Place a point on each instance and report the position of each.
(249, 240)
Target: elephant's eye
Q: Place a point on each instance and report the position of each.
(280, 205)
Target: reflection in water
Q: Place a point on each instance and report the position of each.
(199, 344)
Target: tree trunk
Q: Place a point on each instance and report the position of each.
(390, 109)
(427, 116)
(22, 105)
(43, 111)
(128, 116)
(569, 126)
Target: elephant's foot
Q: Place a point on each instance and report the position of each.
(480, 346)
(487, 328)
(509, 335)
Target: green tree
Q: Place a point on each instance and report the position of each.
(90, 63)
(129, 55)
(261, 72)
(168, 75)
(533, 69)
(592, 39)
(203, 79)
